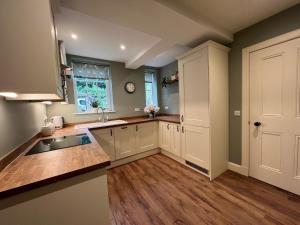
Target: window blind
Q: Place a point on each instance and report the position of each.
(86, 70)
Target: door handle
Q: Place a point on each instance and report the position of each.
(182, 129)
(123, 127)
(136, 128)
(181, 118)
(177, 128)
(110, 132)
(257, 124)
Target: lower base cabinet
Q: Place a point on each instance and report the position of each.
(170, 137)
(195, 145)
(127, 140)
(146, 136)
(107, 140)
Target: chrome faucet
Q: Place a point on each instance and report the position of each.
(102, 118)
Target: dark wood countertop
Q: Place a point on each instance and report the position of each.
(32, 171)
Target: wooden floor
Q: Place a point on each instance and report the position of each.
(158, 190)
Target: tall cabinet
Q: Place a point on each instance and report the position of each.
(203, 88)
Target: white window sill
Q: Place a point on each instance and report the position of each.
(99, 113)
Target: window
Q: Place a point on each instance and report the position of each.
(92, 82)
(151, 88)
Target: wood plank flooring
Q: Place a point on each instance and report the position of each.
(158, 190)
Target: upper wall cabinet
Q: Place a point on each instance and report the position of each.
(29, 51)
(203, 88)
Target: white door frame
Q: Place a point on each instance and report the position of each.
(246, 91)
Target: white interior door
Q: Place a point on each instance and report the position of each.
(275, 115)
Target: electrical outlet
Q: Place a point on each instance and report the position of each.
(237, 113)
(137, 109)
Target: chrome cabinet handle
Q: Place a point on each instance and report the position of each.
(110, 132)
(182, 118)
(177, 128)
(123, 127)
(182, 129)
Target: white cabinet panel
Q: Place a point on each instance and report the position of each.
(194, 89)
(165, 136)
(176, 139)
(203, 91)
(196, 145)
(125, 141)
(29, 51)
(146, 136)
(105, 138)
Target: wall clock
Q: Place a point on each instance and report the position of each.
(129, 87)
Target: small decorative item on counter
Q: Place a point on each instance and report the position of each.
(48, 129)
(151, 110)
(95, 106)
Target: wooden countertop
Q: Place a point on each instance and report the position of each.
(32, 171)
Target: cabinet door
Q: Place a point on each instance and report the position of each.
(125, 141)
(37, 76)
(176, 139)
(147, 136)
(194, 89)
(105, 138)
(165, 136)
(195, 144)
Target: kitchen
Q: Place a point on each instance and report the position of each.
(109, 119)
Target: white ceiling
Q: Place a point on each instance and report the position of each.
(168, 56)
(155, 31)
(100, 39)
(230, 15)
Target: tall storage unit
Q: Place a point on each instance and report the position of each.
(203, 88)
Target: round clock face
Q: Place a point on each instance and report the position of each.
(130, 87)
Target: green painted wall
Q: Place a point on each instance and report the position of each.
(278, 24)
(124, 103)
(19, 122)
(169, 96)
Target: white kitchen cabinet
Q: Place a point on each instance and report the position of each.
(203, 90)
(29, 51)
(106, 139)
(146, 136)
(176, 139)
(165, 136)
(170, 137)
(125, 141)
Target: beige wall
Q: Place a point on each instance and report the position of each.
(19, 122)
(124, 103)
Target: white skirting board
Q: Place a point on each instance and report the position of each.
(238, 168)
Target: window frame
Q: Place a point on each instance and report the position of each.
(154, 86)
(109, 90)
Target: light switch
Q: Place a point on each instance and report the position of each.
(137, 109)
(237, 113)
(166, 107)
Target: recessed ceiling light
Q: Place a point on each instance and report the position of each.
(74, 36)
(122, 47)
(47, 102)
(8, 94)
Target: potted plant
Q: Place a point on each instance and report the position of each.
(151, 110)
(95, 106)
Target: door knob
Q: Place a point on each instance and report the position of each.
(257, 124)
